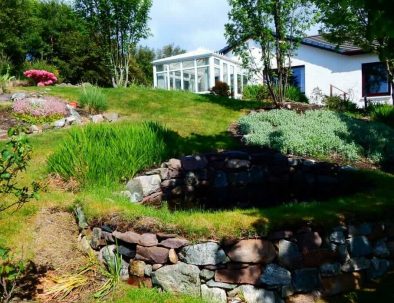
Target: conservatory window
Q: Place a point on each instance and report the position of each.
(162, 80)
(160, 68)
(217, 74)
(217, 62)
(188, 64)
(189, 80)
(225, 72)
(231, 84)
(203, 79)
(175, 66)
(204, 61)
(239, 84)
(375, 79)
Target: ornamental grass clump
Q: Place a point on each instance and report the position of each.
(319, 133)
(107, 154)
(93, 99)
(38, 110)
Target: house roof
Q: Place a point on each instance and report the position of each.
(199, 53)
(319, 41)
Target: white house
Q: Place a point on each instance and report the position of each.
(320, 65)
(318, 68)
(197, 71)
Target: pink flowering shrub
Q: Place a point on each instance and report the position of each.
(35, 110)
(41, 77)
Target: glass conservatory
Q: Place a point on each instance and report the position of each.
(198, 71)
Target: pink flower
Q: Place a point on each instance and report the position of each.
(41, 77)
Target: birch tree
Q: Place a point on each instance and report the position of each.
(118, 25)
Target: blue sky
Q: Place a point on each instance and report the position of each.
(188, 23)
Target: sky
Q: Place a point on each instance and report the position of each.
(188, 23)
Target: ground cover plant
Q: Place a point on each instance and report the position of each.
(106, 154)
(319, 133)
(37, 111)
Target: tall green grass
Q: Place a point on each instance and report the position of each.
(383, 113)
(106, 154)
(93, 99)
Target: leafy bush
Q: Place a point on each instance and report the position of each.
(338, 104)
(105, 154)
(256, 92)
(93, 99)
(382, 113)
(36, 111)
(42, 65)
(14, 158)
(319, 133)
(5, 80)
(294, 94)
(221, 89)
(41, 77)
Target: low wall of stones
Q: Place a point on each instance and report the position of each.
(286, 266)
(239, 179)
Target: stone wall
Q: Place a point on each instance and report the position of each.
(239, 179)
(286, 266)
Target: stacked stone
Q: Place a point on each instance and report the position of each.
(287, 266)
(234, 176)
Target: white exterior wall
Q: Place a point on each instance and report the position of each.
(324, 68)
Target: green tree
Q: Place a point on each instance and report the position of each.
(277, 27)
(118, 25)
(366, 23)
(169, 50)
(141, 69)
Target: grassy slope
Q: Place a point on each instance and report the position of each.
(202, 121)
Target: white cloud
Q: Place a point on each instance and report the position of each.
(188, 23)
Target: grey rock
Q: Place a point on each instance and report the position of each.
(143, 186)
(59, 123)
(227, 286)
(306, 280)
(18, 96)
(274, 275)
(148, 270)
(71, 120)
(84, 244)
(337, 237)
(178, 278)
(193, 162)
(96, 237)
(287, 291)
(107, 255)
(111, 117)
(81, 219)
(364, 229)
(124, 270)
(330, 269)
(288, 255)
(359, 246)
(97, 118)
(237, 164)
(381, 250)
(341, 250)
(206, 274)
(220, 180)
(214, 295)
(34, 129)
(356, 264)
(252, 294)
(208, 253)
(73, 112)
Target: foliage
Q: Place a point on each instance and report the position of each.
(141, 69)
(41, 77)
(38, 111)
(364, 23)
(169, 50)
(5, 64)
(257, 92)
(14, 158)
(10, 272)
(5, 80)
(338, 104)
(106, 154)
(319, 133)
(93, 99)
(42, 65)
(221, 89)
(294, 94)
(277, 27)
(118, 25)
(382, 113)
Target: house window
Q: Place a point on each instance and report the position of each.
(375, 80)
(297, 77)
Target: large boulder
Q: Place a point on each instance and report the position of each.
(359, 246)
(146, 239)
(208, 253)
(274, 275)
(143, 186)
(252, 251)
(288, 254)
(252, 294)
(214, 295)
(178, 278)
(158, 255)
(248, 275)
(306, 279)
(356, 264)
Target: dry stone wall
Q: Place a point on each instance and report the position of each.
(286, 266)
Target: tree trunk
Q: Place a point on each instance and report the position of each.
(279, 58)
